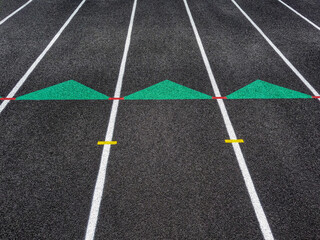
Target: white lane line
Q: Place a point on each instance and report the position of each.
(98, 190)
(262, 219)
(19, 9)
(299, 75)
(37, 61)
(300, 15)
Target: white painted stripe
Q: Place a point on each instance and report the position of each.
(204, 55)
(16, 11)
(262, 219)
(299, 75)
(98, 190)
(300, 15)
(37, 61)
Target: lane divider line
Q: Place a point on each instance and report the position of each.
(261, 216)
(290, 65)
(13, 13)
(116, 98)
(37, 61)
(107, 142)
(300, 15)
(234, 141)
(98, 190)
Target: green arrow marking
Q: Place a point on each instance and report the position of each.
(263, 90)
(69, 90)
(167, 90)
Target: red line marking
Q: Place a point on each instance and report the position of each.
(116, 98)
(7, 98)
(219, 97)
(315, 96)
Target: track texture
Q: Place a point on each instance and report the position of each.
(171, 175)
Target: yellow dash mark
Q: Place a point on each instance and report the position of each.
(234, 140)
(107, 142)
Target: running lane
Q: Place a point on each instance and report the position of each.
(24, 36)
(297, 39)
(171, 175)
(281, 136)
(8, 6)
(308, 8)
(49, 149)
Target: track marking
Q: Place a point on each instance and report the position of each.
(167, 90)
(234, 141)
(262, 219)
(37, 61)
(219, 97)
(116, 98)
(107, 142)
(68, 90)
(299, 75)
(98, 190)
(300, 15)
(7, 98)
(13, 13)
(315, 96)
(263, 90)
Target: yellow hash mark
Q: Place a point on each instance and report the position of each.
(107, 142)
(234, 141)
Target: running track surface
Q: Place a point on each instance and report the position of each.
(171, 174)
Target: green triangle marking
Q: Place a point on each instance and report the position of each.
(69, 90)
(167, 90)
(263, 90)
